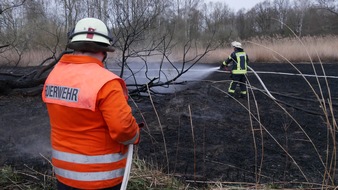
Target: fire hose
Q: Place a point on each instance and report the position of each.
(280, 73)
(260, 80)
(262, 83)
(270, 93)
(128, 167)
(129, 163)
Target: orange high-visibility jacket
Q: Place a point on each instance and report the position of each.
(91, 123)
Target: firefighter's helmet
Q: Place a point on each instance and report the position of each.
(90, 34)
(236, 44)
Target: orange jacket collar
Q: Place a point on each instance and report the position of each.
(80, 59)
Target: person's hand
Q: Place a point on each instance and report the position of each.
(140, 125)
(223, 66)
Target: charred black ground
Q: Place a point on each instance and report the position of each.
(207, 135)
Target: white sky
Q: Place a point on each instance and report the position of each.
(238, 4)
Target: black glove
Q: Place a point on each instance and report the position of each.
(140, 125)
(223, 66)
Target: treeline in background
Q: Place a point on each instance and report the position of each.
(299, 30)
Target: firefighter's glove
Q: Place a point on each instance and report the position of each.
(223, 66)
(140, 125)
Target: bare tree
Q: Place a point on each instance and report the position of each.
(140, 36)
(10, 36)
(218, 19)
(35, 32)
(6, 5)
(282, 7)
(263, 16)
(301, 7)
(71, 13)
(142, 29)
(328, 5)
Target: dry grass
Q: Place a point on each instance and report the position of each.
(323, 47)
(143, 177)
(259, 49)
(24, 59)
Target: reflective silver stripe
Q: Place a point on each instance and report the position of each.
(89, 176)
(84, 159)
(131, 141)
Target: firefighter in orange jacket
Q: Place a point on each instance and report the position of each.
(91, 121)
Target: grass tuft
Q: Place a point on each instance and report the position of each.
(145, 177)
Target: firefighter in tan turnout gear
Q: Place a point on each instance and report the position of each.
(91, 121)
(239, 60)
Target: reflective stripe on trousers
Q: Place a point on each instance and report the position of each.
(89, 176)
(85, 159)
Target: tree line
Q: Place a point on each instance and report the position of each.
(143, 28)
(41, 23)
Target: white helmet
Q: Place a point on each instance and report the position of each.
(236, 44)
(90, 34)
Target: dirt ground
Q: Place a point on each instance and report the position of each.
(200, 134)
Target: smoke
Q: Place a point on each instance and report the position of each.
(34, 146)
(143, 73)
